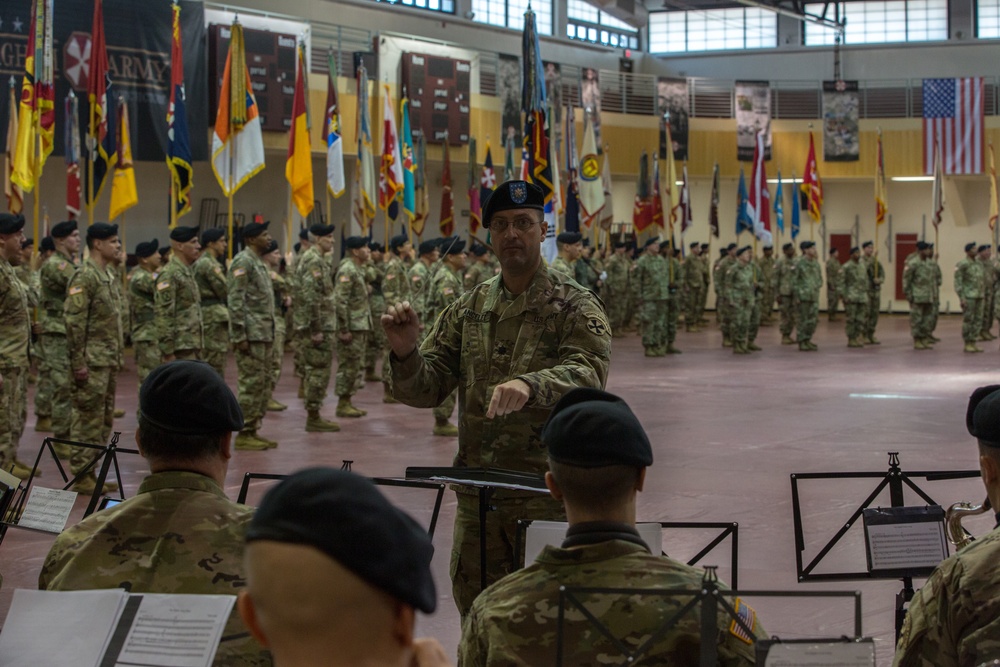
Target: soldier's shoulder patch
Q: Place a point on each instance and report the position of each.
(239, 272)
(162, 285)
(75, 289)
(746, 614)
(217, 269)
(345, 278)
(415, 279)
(448, 290)
(597, 324)
(317, 274)
(390, 276)
(62, 265)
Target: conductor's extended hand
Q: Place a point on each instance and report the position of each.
(402, 328)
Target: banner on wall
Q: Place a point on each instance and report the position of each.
(840, 121)
(509, 88)
(753, 115)
(672, 103)
(553, 93)
(590, 97)
(138, 43)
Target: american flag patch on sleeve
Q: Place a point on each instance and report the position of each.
(748, 616)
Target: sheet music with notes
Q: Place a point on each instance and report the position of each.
(47, 509)
(904, 539)
(821, 654)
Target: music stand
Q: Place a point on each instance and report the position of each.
(710, 596)
(728, 529)
(826, 645)
(895, 479)
(485, 481)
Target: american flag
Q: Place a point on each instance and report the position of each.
(953, 114)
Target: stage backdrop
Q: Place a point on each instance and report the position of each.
(138, 38)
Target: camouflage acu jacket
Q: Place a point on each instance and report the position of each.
(178, 308)
(15, 322)
(251, 299)
(93, 320)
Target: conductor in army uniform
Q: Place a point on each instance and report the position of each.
(513, 346)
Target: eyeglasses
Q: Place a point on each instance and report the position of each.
(499, 226)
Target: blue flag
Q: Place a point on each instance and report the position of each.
(795, 209)
(743, 221)
(179, 158)
(779, 206)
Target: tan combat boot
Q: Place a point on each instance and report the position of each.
(971, 347)
(275, 406)
(445, 428)
(345, 409)
(387, 396)
(672, 350)
(754, 347)
(854, 342)
(86, 485)
(22, 471)
(787, 340)
(316, 424)
(43, 424)
(248, 441)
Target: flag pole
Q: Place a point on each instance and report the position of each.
(229, 197)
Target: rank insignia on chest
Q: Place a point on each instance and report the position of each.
(62, 265)
(448, 290)
(73, 291)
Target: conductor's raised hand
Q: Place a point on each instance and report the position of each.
(402, 328)
(508, 397)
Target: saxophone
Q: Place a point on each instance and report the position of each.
(953, 519)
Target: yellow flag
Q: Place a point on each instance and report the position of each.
(298, 166)
(123, 193)
(994, 207)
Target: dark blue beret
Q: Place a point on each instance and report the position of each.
(183, 234)
(147, 249)
(348, 519)
(99, 231)
(590, 428)
(983, 416)
(10, 223)
(189, 397)
(252, 229)
(63, 229)
(355, 242)
(510, 195)
(212, 234)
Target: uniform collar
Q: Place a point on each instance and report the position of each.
(181, 479)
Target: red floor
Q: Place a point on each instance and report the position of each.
(727, 432)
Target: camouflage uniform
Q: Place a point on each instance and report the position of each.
(554, 336)
(377, 342)
(179, 534)
(854, 277)
(919, 285)
(936, 307)
(722, 304)
(706, 273)
(674, 302)
(651, 287)
(617, 291)
(210, 275)
(876, 276)
(989, 294)
(477, 273)
(142, 287)
(315, 314)
(43, 383)
(252, 312)
(741, 287)
(55, 276)
(15, 336)
(807, 280)
(516, 621)
(178, 311)
(353, 315)
(95, 342)
(969, 287)
(564, 267)
(692, 278)
(765, 270)
(781, 284)
(954, 620)
(281, 290)
(834, 286)
(587, 273)
(994, 270)
(445, 290)
(396, 289)
(420, 285)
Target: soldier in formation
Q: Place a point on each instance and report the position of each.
(741, 290)
(782, 286)
(692, 278)
(807, 281)
(282, 303)
(650, 282)
(970, 285)
(919, 286)
(420, 278)
(210, 275)
(178, 299)
(616, 288)
(989, 291)
(353, 324)
(588, 269)
(375, 276)
(396, 289)
(479, 271)
(722, 302)
(142, 301)
(446, 288)
(854, 291)
(570, 245)
(834, 284)
(674, 296)
(765, 267)
(876, 276)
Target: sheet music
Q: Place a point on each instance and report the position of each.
(830, 654)
(47, 509)
(894, 546)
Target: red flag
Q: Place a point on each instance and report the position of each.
(101, 141)
(811, 184)
(759, 199)
(447, 223)
(657, 199)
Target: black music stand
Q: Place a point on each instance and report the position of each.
(895, 479)
(710, 596)
(485, 481)
(727, 528)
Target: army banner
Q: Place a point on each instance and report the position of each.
(509, 90)
(590, 97)
(672, 104)
(753, 115)
(138, 38)
(840, 121)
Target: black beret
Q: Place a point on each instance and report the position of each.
(620, 244)
(27, 242)
(723, 251)
(731, 246)
(63, 229)
(833, 251)
(510, 195)
(855, 249)
(694, 245)
(252, 229)
(479, 250)
(164, 251)
(983, 416)
(47, 245)
(805, 245)
(921, 245)
(984, 247)
(271, 247)
(345, 517)
(11, 223)
(322, 230)
(586, 243)
(569, 237)
(970, 246)
(867, 244)
(456, 247)
(189, 397)
(147, 249)
(744, 249)
(376, 247)
(788, 246)
(183, 234)
(398, 241)
(427, 247)
(768, 247)
(929, 245)
(304, 234)
(100, 231)
(590, 428)
(212, 234)
(297, 247)
(651, 241)
(355, 242)
(705, 245)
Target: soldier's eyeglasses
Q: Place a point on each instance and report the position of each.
(520, 224)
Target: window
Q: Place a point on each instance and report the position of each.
(712, 30)
(872, 22)
(589, 24)
(988, 19)
(445, 6)
(510, 13)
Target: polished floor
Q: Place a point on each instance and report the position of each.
(728, 431)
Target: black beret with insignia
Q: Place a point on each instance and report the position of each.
(479, 250)
(805, 245)
(921, 245)
(970, 246)
(345, 517)
(705, 246)
(744, 249)
(322, 230)
(569, 237)
(183, 234)
(695, 244)
(983, 416)
(376, 247)
(590, 428)
(100, 231)
(63, 229)
(212, 234)
(427, 247)
(10, 223)
(985, 246)
(147, 249)
(189, 397)
(651, 241)
(456, 247)
(47, 245)
(855, 249)
(511, 195)
(252, 229)
(355, 242)
(398, 241)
